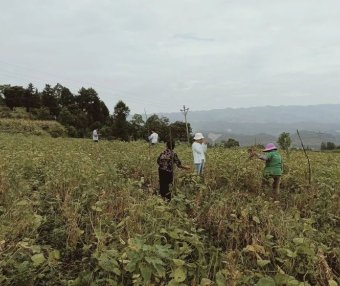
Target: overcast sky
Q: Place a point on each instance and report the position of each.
(159, 55)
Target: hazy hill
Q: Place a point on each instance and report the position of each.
(264, 124)
(310, 138)
(320, 114)
(268, 119)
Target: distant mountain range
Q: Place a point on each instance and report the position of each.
(263, 124)
(310, 139)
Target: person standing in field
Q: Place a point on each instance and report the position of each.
(95, 136)
(153, 138)
(199, 148)
(273, 168)
(166, 161)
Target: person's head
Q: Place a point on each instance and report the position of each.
(270, 147)
(198, 137)
(170, 144)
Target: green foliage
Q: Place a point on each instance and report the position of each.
(14, 96)
(50, 101)
(230, 143)
(30, 127)
(178, 130)
(284, 141)
(158, 124)
(137, 128)
(120, 123)
(42, 113)
(328, 146)
(31, 98)
(77, 213)
(2, 90)
(162, 126)
(16, 113)
(82, 113)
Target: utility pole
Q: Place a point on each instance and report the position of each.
(146, 119)
(185, 112)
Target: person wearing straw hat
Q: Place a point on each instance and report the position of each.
(166, 161)
(273, 168)
(199, 148)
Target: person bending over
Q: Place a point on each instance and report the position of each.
(273, 168)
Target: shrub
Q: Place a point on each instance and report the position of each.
(32, 127)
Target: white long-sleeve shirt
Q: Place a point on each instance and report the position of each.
(153, 138)
(95, 135)
(198, 151)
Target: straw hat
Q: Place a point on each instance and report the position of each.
(198, 136)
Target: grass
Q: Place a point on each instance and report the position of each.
(32, 127)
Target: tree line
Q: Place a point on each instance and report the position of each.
(329, 146)
(83, 112)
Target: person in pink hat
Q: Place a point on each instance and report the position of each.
(273, 169)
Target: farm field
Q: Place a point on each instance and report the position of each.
(73, 212)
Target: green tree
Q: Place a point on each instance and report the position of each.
(66, 117)
(284, 141)
(14, 96)
(50, 100)
(178, 130)
(331, 146)
(120, 124)
(94, 108)
(2, 96)
(31, 98)
(230, 143)
(328, 146)
(158, 124)
(137, 127)
(42, 113)
(64, 95)
(104, 113)
(73, 116)
(89, 102)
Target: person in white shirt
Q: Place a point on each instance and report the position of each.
(153, 138)
(95, 135)
(199, 148)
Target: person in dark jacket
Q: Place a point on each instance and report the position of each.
(166, 161)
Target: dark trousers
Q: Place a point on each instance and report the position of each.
(165, 179)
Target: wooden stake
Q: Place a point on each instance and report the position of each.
(309, 167)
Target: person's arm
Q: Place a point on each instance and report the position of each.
(259, 156)
(178, 163)
(204, 147)
(262, 157)
(184, 167)
(197, 148)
